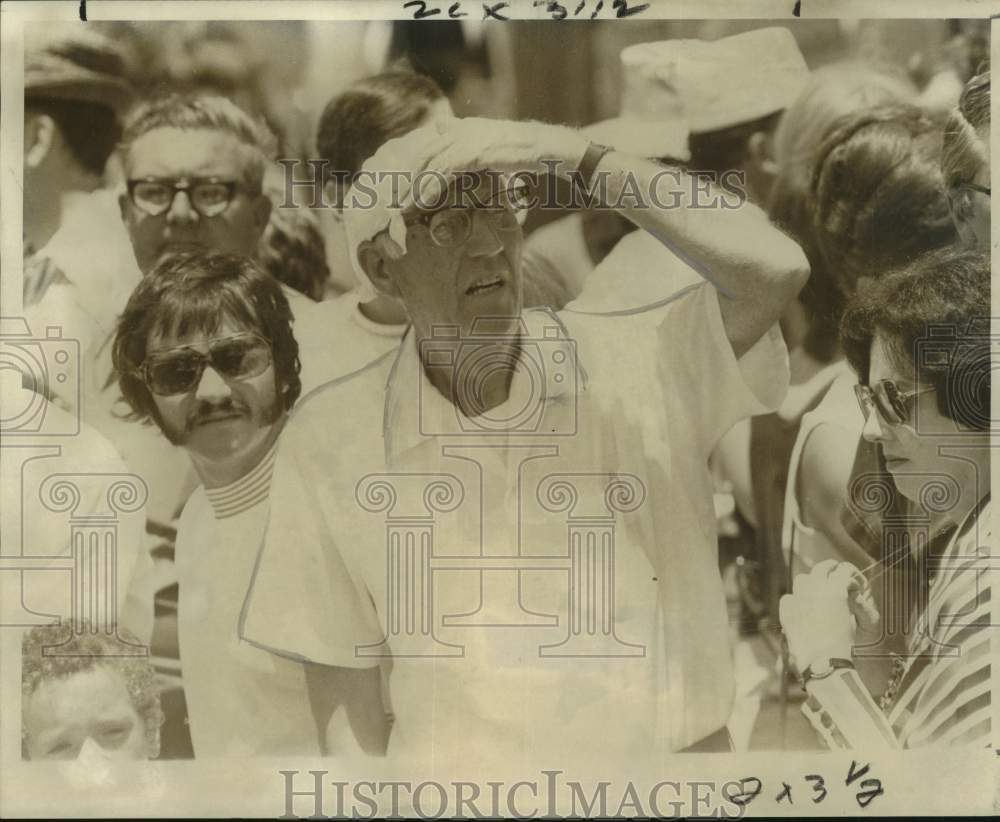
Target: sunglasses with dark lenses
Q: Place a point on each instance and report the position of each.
(894, 406)
(209, 197)
(234, 357)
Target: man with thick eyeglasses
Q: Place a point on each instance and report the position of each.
(491, 402)
(194, 168)
(205, 350)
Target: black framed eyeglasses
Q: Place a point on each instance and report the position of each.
(895, 406)
(233, 357)
(452, 226)
(209, 196)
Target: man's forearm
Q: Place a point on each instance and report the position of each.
(735, 248)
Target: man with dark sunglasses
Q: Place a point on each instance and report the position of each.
(205, 350)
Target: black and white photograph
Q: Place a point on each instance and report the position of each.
(497, 409)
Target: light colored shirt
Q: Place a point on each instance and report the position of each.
(638, 271)
(241, 701)
(335, 339)
(561, 245)
(615, 445)
(68, 480)
(96, 275)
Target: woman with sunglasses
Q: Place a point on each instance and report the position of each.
(918, 340)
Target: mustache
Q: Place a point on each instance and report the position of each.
(206, 411)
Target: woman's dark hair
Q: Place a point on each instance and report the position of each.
(355, 123)
(91, 130)
(832, 92)
(934, 317)
(198, 291)
(877, 193)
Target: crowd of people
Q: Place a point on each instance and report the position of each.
(468, 514)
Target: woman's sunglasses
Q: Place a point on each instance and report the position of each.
(894, 406)
(234, 357)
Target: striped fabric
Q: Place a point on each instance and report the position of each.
(944, 689)
(246, 492)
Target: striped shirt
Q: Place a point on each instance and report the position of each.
(943, 686)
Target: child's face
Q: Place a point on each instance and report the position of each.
(89, 711)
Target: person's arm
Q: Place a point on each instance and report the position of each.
(348, 708)
(825, 471)
(756, 269)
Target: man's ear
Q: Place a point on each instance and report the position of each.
(261, 212)
(123, 206)
(374, 265)
(39, 139)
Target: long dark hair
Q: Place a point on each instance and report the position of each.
(197, 291)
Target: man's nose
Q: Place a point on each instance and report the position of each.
(212, 385)
(484, 241)
(92, 751)
(875, 428)
(180, 210)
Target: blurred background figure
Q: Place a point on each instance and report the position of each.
(292, 248)
(353, 330)
(91, 698)
(810, 326)
(730, 94)
(651, 124)
(965, 162)
(75, 274)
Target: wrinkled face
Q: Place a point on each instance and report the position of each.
(478, 277)
(970, 207)
(912, 450)
(221, 419)
(87, 714)
(173, 156)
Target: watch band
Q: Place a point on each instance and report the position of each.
(835, 664)
(588, 166)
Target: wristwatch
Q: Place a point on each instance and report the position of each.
(833, 664)
(588, 166)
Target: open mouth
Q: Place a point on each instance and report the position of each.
(486, 285)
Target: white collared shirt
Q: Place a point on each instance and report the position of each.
(240, 700)
(617, 447)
